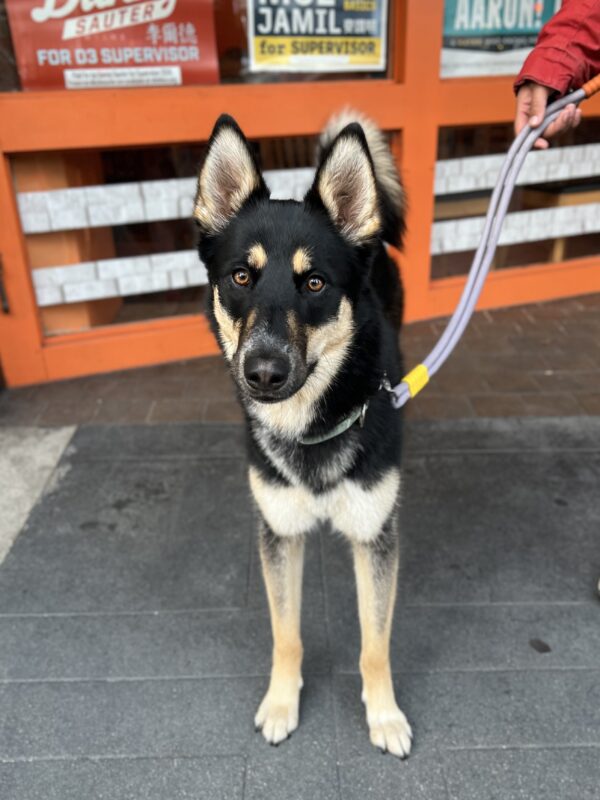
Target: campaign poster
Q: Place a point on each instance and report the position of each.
(97, 44)
(317, 35)
(491, 37)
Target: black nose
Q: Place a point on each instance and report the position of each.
(266, 374)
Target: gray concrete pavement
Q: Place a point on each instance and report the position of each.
(135, 642)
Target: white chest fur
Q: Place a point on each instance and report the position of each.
(354, 510)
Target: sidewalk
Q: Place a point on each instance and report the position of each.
(134, 632)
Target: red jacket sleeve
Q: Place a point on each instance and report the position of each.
(567, 52)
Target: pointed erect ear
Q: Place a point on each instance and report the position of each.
(345, 185)
(229, 176)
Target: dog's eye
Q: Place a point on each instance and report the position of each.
(315, 283)
(241, 277)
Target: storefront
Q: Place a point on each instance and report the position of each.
(106, 106)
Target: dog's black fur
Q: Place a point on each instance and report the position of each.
(364, 273)
(321, 353)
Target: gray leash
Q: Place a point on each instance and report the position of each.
(417, 378)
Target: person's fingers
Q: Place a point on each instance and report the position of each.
(523, 108)
(539, 98)
(566, 120)
(541, 144)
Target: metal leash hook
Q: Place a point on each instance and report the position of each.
(419, 377)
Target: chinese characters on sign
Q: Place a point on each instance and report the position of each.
(317, 35)
(491, 37)
(83, 44)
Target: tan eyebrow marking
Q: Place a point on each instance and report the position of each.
(257, 256)
(250, 320)
(301, 261)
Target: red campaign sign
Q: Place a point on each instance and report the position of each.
(94, 44)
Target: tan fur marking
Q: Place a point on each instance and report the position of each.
(257, 256)
(389, 728)
(327, 347)
(292, 321)
(229, 329)
(278, 713)
(301, 261)
(250, 321)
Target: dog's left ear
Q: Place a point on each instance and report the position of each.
(345, 185)
(228, 178)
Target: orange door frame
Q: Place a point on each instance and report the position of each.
(413, 104)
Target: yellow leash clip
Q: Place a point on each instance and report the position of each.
(416, 379)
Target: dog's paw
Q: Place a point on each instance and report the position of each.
(390, 731)
(277, 715)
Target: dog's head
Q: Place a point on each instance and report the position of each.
(285, 276)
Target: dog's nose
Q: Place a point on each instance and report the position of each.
(266, 374)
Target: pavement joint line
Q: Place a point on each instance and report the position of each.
(509, 604)
(246, 610)
(525, 746)
(150, 678)
(121, 757)
(261, 675)
(244, 756)
(443, 772)
(411, 453)
(250, 611)
(499, 452)
(242, 610)
(483, 670)
(244, 776)
(145, 459)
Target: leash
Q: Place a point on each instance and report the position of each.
(412, 383)
(416, 380)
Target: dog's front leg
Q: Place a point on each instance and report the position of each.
(376, 568)
(282, 560)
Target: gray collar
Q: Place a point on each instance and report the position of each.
(341, 427)
(347, 422)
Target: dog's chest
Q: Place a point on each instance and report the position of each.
(316, 470)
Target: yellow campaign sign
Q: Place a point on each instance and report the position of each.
(285, 50)
(317, 35)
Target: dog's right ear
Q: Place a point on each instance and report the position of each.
(229, 176)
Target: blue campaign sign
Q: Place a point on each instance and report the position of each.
(491, 37)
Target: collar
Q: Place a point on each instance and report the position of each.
(358, 414)
(346, 423)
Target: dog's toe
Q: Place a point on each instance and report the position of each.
(277, 720)
(391, 732)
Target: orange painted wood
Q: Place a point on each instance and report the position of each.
(133, 117)
(21, 352)
(419, 143)
(117, 347)
(535, 283)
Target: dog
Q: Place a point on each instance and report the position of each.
(307, 305)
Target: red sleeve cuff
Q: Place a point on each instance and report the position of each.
(549, 66)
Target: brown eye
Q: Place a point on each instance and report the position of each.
(315, 284)
(241, 277)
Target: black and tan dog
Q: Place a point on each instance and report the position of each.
(307, 305)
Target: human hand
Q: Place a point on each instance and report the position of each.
(532, 99)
